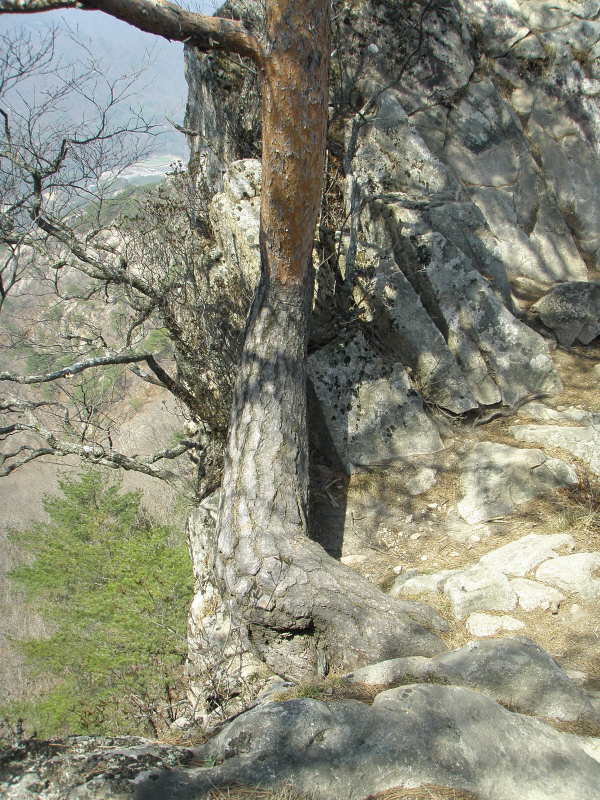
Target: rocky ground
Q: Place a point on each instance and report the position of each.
(487, 166)
(523, 560)
(500, 532)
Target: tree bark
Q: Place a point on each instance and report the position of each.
(301, 612)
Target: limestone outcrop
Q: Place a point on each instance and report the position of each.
(444, 722)
(449, 193)
(464, 174)
(474, 167)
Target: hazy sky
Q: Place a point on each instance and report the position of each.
(120, 48)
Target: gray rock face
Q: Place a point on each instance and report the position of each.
(479, 624)
(466, 296)
(518, 672)
(479, 158)
(514, 670)
(517, 148)
(534, 595)
(422, 481)
(572, 311)
(480, 330)
(234, 214)
(396, 309)
(216, 135)
(411, 736)
(524, 554)
(373, 414)
(583, 442)
(482, 162)
(479, 589)
(576, 574)
(418, 584)
(498, 477)
(83, 767)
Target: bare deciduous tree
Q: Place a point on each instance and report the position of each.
(90, 294)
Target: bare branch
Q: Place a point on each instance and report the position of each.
(143, 376)
(163, 19)
(54, 445)
(175, 388)
(74, 369)
(31, 454)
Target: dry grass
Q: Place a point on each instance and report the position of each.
(575, 727)
(578, 728)
(195, 737)
(332, 689)
(241, 792)
(423, 793)
(575, 510)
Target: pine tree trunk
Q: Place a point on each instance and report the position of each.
(300, 611)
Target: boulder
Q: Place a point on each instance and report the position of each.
(521, 556)
(572, 311)
(497, 478)
(576, 574)
(514, 671)
(373, 413)
(412, 735)
(543, 413)
(479, 589)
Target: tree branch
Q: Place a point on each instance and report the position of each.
(94, 452)
(173, 386)
(31, 455)
(163, 19)
(75, 369)
(162, 377)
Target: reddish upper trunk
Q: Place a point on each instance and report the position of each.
(295, 101)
